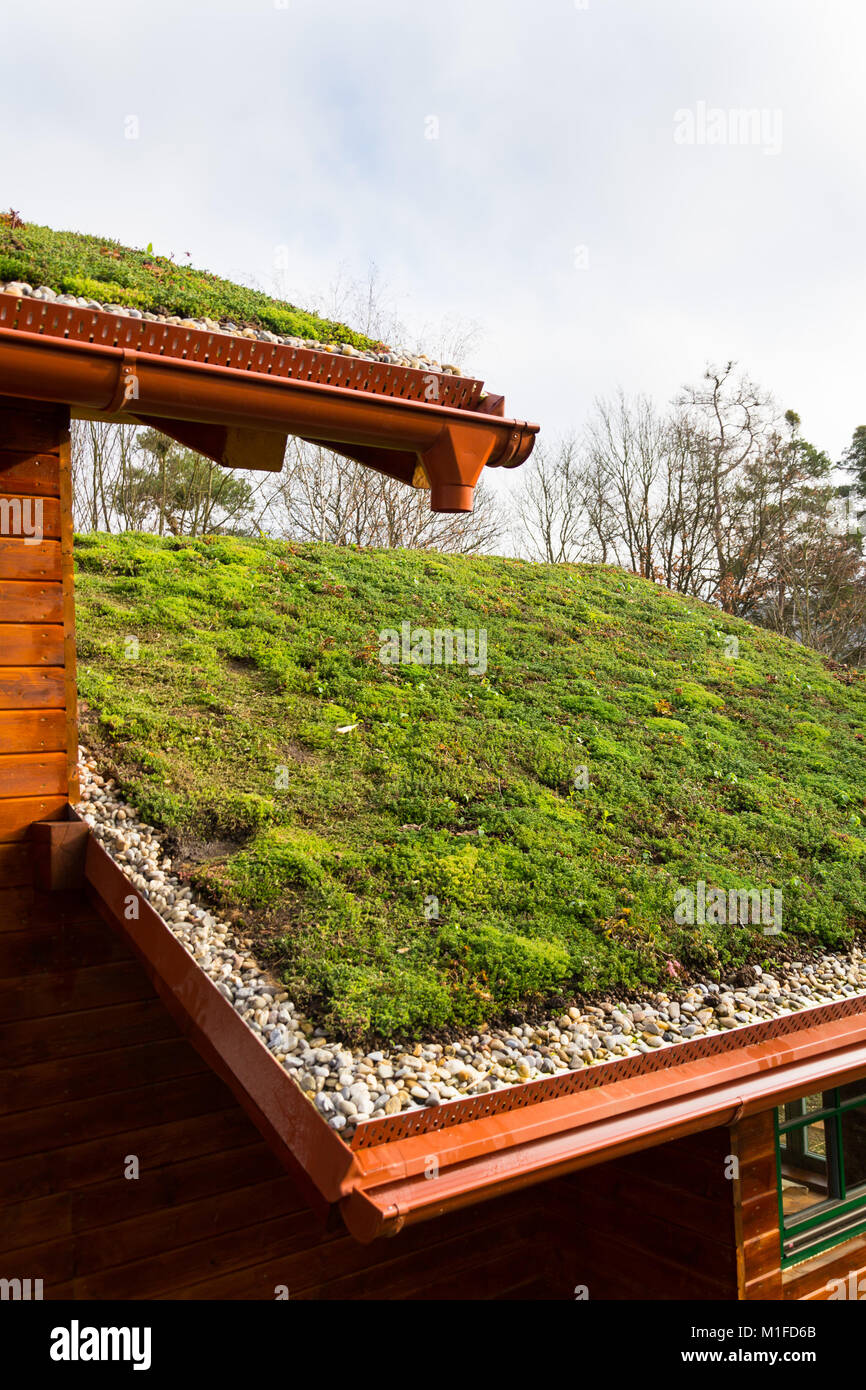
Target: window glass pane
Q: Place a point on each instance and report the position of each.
(854, 1146)
(815, 1142)
(853, 1091)
(815, 1103)
(805, 1182)
(806, 1105)
(798, 1197)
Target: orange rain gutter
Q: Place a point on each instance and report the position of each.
(396, 419)
(409, 1180)
(416, 1166)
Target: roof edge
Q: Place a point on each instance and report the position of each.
(412, 1180)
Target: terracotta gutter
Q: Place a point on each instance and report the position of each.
(411, 1180)
(174, 379)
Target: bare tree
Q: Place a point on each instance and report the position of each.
(321, 496)
(734, 418)
(626, 452)
(553, 505)
(685, 550)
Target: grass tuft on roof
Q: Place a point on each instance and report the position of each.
(420, 848)
(103, 270)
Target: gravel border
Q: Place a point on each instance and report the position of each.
(348, 1085)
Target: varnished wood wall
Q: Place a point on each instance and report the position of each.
(38, 735)
(95, 1071)
(656, 1225)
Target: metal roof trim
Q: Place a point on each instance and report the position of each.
(590, 1077)
(317, 1158)
(101, 328)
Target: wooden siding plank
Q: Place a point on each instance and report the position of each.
(85, 1161)
(30, 602)
(82, 1034)
(53, 1082)
(32, 731)
(54, 1126)
(27, 516)
(40, 951)
(155, 1191)
(29, 475)
(28, 774)
(30, 426)
(17, 814)
(16, 907)
(450, 1260)
(15, 866)
(30, 562)
(71, 991)
(185, 1228)
(31, 644)
(26, 687)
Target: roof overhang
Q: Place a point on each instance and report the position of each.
(237, 399)
(421, 1164)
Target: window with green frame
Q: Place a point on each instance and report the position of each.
(821, 1163)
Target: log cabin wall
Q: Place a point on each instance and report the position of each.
(38, 720)
(97, 1073)
(758, 1230)
(656, 1225)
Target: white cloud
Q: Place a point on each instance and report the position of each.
(305, 127)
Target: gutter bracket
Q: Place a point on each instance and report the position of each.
(126, 387)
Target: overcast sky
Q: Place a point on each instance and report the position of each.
(583, 200)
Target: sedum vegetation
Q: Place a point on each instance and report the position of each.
(325, 799)
(113, 274)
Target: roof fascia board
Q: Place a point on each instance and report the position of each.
(318, 1160)
(488, 1157)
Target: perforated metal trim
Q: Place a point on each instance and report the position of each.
(404, 1126)
(243, 354)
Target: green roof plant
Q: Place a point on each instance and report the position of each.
(419, 848)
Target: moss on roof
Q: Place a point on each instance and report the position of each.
(611, 752)
(103, 270)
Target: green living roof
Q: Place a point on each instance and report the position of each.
(617, 743)
(98, 273)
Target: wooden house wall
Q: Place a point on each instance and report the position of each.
(656, 1225)
(95, 1071)
(38, 735)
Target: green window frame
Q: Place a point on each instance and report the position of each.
(812, 1136)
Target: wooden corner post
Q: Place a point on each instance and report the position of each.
(38, 703)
